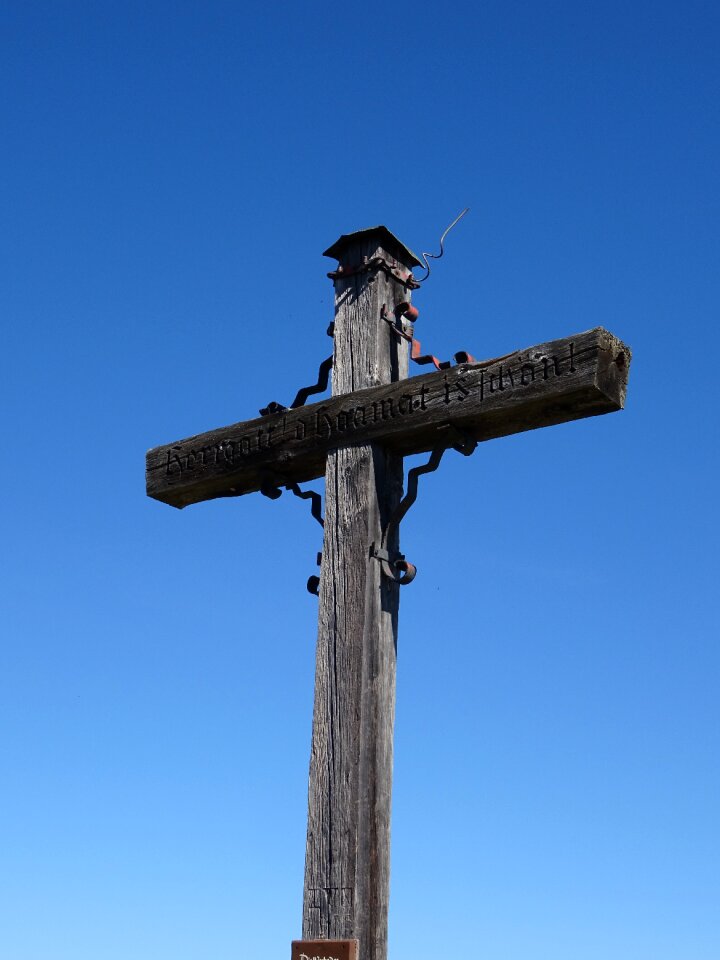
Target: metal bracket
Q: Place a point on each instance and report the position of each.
(272, 487)
(402, 325)
(313, 496)
(304, 392)
(396, 568)
(399, 569)
(313, 583)
(372, 265)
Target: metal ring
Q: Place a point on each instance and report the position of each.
(406, 309)
(401, 571)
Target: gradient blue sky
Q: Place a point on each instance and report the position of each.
(169, 175)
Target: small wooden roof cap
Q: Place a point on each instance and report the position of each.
(388, 240)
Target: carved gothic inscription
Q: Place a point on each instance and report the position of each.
(562, 380)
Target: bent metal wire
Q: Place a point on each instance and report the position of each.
(436, 256)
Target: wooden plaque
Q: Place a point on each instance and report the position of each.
(324, 950)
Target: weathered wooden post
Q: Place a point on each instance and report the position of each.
(347, 865)
(357, 439)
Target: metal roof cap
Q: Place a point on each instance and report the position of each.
(391, 243)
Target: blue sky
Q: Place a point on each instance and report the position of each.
(169, 176)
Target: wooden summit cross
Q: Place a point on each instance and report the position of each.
(357, 439)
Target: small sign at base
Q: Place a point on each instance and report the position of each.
(324, 950)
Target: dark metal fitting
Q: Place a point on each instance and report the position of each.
(450, 436)
(318, 387)
(397, 568)
(406, 331)
(271, 486)
(271, 408)
(304, 392)
(331, 329)
(399, 326)
(313, 584)
(313, 496)
(463, 357)
(462, 441)
(373, 265)
(270, 489)
(408, 571)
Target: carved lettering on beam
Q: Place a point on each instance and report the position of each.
(563, 380)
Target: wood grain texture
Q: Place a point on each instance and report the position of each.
(579, 376)
(347, 866)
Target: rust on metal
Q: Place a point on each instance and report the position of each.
(406, 314)
(390, 267)
(397, 265)
(408, 311)
(395, 568)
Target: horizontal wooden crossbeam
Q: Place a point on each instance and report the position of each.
(579, 376)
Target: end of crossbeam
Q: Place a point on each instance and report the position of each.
(613, 367)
